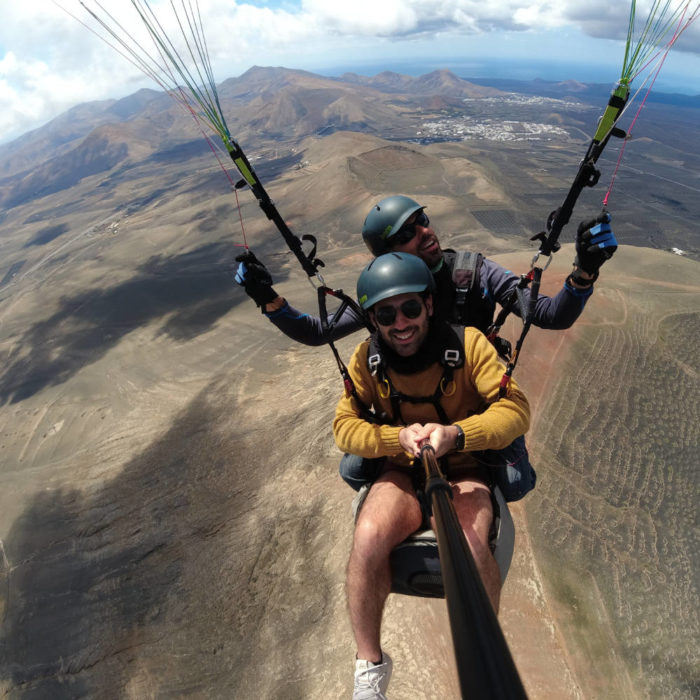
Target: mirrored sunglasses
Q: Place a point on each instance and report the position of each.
(408, 231)
(386, 315)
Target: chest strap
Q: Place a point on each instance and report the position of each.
(452, 358)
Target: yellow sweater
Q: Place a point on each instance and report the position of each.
(487, 422)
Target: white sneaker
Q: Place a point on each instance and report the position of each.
(372, 680)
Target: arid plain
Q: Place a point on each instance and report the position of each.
(171, 519)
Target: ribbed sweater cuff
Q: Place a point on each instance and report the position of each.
(390, 439)
(474, 436)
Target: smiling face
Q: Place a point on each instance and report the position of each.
(404, 335)
(424, 244)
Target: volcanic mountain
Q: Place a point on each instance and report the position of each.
(171, 518)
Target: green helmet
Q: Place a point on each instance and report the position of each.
(392, 274)
(385, 219)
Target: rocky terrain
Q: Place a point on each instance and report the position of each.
(171, 519)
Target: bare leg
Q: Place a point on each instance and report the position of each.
(389, 515)
(472, 502)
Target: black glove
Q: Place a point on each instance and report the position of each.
(595, 243)
(253, 276)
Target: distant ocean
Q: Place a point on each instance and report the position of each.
(503, 69)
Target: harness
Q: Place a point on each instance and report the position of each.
(452, 358)
(469, 308)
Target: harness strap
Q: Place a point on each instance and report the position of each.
(515, 296)
(452, 359)
(524, 306)
(327, 327)
(536, 276)
(465, 275)
(396, 397)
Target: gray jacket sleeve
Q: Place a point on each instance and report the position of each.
(308, 330)
(554, 313)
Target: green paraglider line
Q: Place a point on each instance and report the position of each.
(681, 26)
(199, 96)
(658, 24)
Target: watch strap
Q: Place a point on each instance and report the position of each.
(459, 440)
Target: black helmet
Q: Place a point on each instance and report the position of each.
(392, 274)
(385, 219)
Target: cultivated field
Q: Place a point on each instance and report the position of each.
(614, 522)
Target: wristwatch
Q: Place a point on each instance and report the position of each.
(459, 440)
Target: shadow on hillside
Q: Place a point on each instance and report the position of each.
(46, 235)
(94, 155)
(158, 580)
(190, 292)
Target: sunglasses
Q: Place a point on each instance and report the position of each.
(408, 231)
(386, 315)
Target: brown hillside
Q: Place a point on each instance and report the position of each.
(152, 474)
(171, 518)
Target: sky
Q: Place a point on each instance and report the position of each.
(50, 62)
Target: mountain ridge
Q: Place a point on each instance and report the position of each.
(169, 474)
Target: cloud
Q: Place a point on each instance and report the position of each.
(399, 18)
(366, 18)
(48, 61)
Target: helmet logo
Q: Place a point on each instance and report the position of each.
(386, 231)
(362, 299)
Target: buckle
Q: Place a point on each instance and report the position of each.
(452, 357)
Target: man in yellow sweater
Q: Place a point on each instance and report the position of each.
(415, 381)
